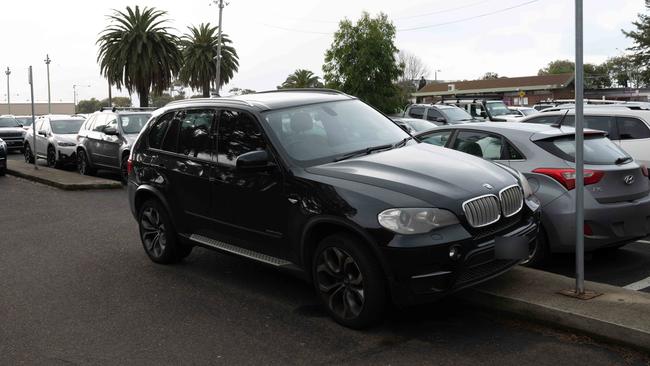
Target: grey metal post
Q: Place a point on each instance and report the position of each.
(218, 76)
(8, 72)
(34, 131)
(74, 97)
(110, 95)
(49, 100)
(580, 186)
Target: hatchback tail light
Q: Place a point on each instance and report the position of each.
(129, 166)
(567, 177)
(644, 170)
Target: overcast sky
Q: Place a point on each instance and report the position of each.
(273, 38)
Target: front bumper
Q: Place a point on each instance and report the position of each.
(424, 274)
(13, 144)
(612, 224)
(67, 154)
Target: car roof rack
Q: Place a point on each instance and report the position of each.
(203, 100)
(129, 109)
(313, 90)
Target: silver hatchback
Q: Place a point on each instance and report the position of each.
(617, 201)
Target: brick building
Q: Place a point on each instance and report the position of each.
(25, 109)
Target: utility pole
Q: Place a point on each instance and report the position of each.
(49, 100)
(580, 182)
(435, 75)
(8, 72)
(218, 74)
(30, 78)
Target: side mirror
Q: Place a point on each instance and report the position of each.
(253, 159)
(441, 120)
(42, 133)
(110, 131)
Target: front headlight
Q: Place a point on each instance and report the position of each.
(3, 145)
(68, 144)
(415, 220)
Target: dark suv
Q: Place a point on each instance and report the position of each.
(105, 139)
(320, 184)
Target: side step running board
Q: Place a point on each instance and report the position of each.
(277, 262)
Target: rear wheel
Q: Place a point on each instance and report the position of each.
(349, 281)
(83, 165)
(158, 236)
(27, 153)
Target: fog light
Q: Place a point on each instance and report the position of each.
(455, 252)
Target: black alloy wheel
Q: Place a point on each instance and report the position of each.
(349, 282)
(158, 236)
(51, 157)
(124, 172)
(29, 157)
(82, 164)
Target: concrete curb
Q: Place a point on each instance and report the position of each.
(618, 316)
(79, 184)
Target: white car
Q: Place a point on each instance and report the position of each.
(56, 140)
(629, 128)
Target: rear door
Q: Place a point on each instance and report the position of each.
(634, 137)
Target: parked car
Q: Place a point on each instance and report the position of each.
(12, 133)
(412, 125)
(320, 184)
(628, 128)
(25, 121)
(485, 109)
(617, 201)
(439, 114)
(105, 139)
(523, 111)
(56, 140)
(3, 157)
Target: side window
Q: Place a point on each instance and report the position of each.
(88, 125)
(194, 134)
(416, 112)
(433, 115)
(602, 123)
(111, 121)
(479, 144)
(39, 125)
(157, 131)
(551, 119)
(512, 153)
(238, 134)
(100, 123)
(437, 138)
(631, 129)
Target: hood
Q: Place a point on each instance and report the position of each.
(442, 177)
(66, 138)
(11, 131)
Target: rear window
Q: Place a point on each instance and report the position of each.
(598, 149)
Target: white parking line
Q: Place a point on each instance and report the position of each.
(643, 241)
(640, 285)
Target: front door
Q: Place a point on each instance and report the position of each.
(42, 126)
(249, 201)
(110, 144)
(634, 138)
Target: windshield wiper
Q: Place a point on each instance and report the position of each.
(365, 151)
(623, 160)
(403, 142)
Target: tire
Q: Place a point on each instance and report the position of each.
(51, 158)
(540, 251)
(349, 281)
(158, 236)
(3, 171)
(27, 153)
(124, 174)
(83, 166)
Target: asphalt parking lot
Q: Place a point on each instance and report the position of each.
(77, 288)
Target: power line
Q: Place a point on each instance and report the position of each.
(444, 10)
(295, 30)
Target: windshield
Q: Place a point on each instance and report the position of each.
(133, 123)
(497, 109)
(66, 126)
(598, 149)
(25, 121)
(455, 115)
(528, 111)
(321, 133)
(8, 122)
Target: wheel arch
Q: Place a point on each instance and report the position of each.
(145, 192)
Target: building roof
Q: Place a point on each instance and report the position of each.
(554, 81)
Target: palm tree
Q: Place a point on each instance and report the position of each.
(199, 48)
(137, 51)
(302, 78)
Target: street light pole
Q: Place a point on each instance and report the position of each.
(49, 100)
(8, 72)
(580, 183)
(218, 73)
(435, 74)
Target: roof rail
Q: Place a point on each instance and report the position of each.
(131, 109)
(203, 100)
(313, 90)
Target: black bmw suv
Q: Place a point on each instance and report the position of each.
(320, 184)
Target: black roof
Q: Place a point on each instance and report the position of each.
(269, 100)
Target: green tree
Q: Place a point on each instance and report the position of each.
(490, 76)
(641, 38)
(301, 78)
(597, 76)
(89, 106)
(557, 67)
(120, 102)
(240, 91)
(361, 61)
(199, 48)
(160, 100)
(137, 51)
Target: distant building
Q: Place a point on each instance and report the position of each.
(25, 109)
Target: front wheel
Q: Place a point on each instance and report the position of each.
(27, 153)
(83, 165)
(124, 171)
(349, 281)
(158, 236)
(51, 158)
